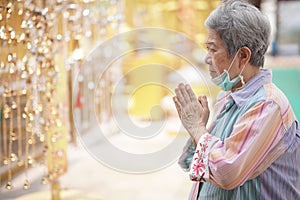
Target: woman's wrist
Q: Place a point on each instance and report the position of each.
(198, 134)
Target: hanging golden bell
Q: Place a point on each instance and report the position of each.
(9, 185)
(14, 105)
(44, 180)
(13, 157)
(30, 160)
(13, 136)
(5, 161)
(26, 184)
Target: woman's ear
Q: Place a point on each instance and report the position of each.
(245, 55)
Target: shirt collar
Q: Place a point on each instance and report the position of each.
(241, 96)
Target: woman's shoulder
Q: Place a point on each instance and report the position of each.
(275, 95)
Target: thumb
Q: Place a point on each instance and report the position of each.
(203, 101)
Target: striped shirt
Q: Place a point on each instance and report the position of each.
(252, 148)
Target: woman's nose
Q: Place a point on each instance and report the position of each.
(207, 59)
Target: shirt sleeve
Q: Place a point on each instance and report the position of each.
(199, 170)
(187, 155)
(229, 163)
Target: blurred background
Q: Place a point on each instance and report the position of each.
(68, 67)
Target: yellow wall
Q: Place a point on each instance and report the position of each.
(184, 16)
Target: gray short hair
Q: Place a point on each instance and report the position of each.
(241, 24)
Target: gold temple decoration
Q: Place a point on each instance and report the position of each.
(28, 83)
(42, 46)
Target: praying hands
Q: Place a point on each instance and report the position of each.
(192, 112)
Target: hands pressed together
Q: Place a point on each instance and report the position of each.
(192, 112)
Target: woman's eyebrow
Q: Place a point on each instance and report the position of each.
(210, 44)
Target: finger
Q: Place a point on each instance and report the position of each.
(190, 92)
(177, 105)
(184, 93)
(203, 101)
(179, 97)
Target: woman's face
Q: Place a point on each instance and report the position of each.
(217, 58)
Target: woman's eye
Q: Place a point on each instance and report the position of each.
(211, 50)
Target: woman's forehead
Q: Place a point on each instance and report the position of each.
(213, 38)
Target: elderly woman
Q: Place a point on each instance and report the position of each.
(251, 150)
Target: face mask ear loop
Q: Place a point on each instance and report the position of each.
(233, 60)
(242, 79)
(242, 70)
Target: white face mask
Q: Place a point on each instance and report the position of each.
(223, 80)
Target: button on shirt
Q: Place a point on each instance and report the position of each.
(252, 148)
